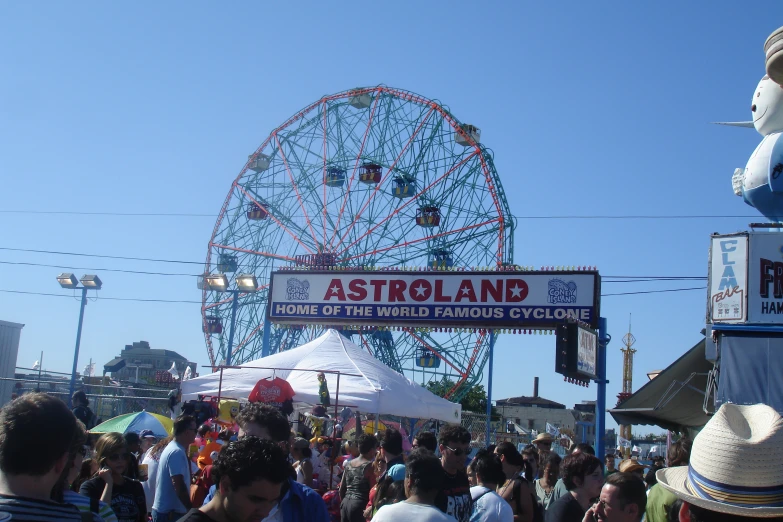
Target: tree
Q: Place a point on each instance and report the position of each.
(475, 400)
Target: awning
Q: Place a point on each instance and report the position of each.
(674, 400)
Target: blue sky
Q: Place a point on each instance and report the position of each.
(589, 110)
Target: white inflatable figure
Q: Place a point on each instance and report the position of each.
(761, 182)
(773, 52)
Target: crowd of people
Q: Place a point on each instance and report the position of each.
(52, 469)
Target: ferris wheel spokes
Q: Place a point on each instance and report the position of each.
(383, 180)
(404, 205)
(296, 188)
(274, 218)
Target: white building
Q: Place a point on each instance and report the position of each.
(533, 413)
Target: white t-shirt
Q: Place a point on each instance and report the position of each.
(490, 507)
(409, 511)
(152, 479)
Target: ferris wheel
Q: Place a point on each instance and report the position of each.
(370, 177)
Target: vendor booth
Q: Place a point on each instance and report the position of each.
(355, 377)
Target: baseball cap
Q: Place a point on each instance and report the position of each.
(396, 472)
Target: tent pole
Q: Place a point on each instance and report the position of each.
(334, 430)
(220, 385)
(489, 385)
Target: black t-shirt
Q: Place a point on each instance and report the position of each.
(565, 509)
(454, 499)
(85, 414)
(127, 500)
(133, 467)
(194, 515)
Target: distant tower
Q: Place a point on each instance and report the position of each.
(628, 351)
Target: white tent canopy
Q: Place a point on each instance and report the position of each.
(370, 386)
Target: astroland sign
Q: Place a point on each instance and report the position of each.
(525, 299)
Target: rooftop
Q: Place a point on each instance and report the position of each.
(539, 402)
(129, 352)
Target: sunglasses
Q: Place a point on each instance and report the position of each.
(118, 456)
(457, 452)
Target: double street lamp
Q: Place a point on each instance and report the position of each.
(89, 282)
(246, 283)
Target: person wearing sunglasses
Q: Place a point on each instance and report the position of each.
(454, 497)
(297, 503)
(123, 494)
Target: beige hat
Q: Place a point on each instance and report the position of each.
(736, 464)
(629, 465)
(543, 437)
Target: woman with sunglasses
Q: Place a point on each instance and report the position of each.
(124, 495)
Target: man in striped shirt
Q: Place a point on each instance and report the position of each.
(36, 432)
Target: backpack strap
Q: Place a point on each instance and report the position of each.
(517, 492)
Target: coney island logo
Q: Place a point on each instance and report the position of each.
(561, 292)
(297, 290)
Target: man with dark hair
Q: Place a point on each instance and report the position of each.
(36, 439)
(609, 468)
(660, 500)
(249, 475)
(623, 499)
(81, 409)
(584, 448)
(133, 443)
(263, 421)
(391, 449)
(427, 440)
(488, 506)
(298, 503)
(172, 488)
(454, 497)
(423, 483)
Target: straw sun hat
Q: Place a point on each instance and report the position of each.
(630, 465)
(543, 437)
(736, 464)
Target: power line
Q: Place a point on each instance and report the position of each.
(118, 214)
(101, 256)
(214, 216)
(658, 291)
(656, 279)
(652, 277)
(97, 269)
(199, 302)
(103, 298)
(607, 278)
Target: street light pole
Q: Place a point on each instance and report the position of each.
(76, 350)
(234, 303)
